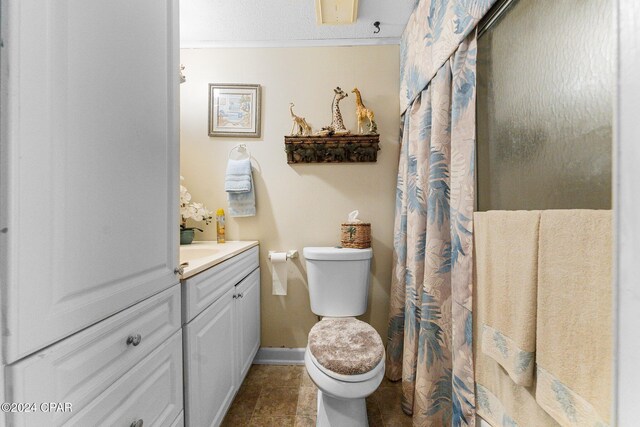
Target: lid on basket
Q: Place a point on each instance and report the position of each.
(337, 254)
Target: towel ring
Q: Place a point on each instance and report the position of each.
(242, 150)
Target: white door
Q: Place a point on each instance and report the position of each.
(210, 362)
(89, 155)
(248, 321)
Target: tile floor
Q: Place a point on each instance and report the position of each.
(284, 396)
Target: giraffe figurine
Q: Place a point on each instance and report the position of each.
(337, 125)
(363, 113)
(300, 125)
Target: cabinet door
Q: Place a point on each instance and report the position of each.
(88, 172)
(247, 321)
(210, 363)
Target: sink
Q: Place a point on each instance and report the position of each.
(201, 255)
(190, 253)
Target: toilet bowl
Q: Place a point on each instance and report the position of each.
(344, 356)
(345, 360)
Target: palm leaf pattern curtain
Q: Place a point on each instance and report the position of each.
(430, 321)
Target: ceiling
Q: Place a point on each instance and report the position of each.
(220, 23)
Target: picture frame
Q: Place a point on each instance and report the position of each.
(234, 110)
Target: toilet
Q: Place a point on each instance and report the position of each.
(344, 356)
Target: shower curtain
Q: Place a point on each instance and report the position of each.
(430, 320)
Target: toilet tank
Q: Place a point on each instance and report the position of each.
(338, 280)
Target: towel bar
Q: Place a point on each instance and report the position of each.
(241, 149)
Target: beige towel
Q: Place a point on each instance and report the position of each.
(574, 332)
(507, 271)
(499, 401)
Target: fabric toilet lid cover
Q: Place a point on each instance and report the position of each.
(345, 346)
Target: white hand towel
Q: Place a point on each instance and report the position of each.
(238, 176)
(243, 204)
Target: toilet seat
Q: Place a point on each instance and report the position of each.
(347, 378)
(347, 387)
(345, 348)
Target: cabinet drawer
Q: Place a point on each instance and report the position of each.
(203, 289)
(151, 392)
(79, 368)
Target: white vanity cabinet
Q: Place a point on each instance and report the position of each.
(220, 340)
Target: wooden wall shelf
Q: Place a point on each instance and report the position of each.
(332, 149)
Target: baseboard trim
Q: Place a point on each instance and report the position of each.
(279, 356)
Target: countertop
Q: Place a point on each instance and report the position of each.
(203, 255)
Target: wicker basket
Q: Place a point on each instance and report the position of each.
(355, 235)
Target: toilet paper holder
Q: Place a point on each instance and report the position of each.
(292, 254)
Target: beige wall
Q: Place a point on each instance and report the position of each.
(297, 205)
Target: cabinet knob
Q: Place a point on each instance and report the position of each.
(235, 296)
(134, 340)
(137, 423)
(240, 295)
(179, 270)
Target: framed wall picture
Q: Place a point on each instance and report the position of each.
(234, 110)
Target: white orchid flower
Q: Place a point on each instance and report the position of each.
(196, 211)
(184, 195)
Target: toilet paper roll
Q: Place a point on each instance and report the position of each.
(280, 267)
